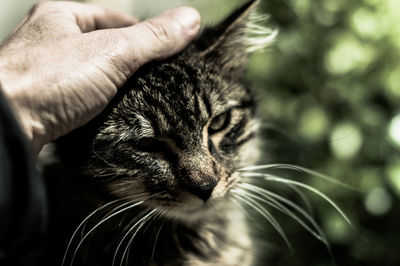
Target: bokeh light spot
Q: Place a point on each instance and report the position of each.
(378, 201)
(393, 174)
(346, 140)
(394, 130)
(332, 5)
(392, 83)
(301, 7)
(337, 228)
(348, 55)
(313, 123)
(365, 23)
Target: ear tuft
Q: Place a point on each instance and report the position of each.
(229, 43)
(257, 36)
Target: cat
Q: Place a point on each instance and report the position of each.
(150, 181)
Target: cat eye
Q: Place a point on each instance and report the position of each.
(220, 122)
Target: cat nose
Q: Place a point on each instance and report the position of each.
(205, 189)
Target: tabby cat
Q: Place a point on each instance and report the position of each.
(150, 180)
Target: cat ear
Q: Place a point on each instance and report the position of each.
(228, 44)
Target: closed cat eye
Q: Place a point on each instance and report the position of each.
(150, 145)
(154, 146)
(220, 122)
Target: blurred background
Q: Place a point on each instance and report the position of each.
(329, 99)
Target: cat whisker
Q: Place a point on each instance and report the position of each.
(109, 173)
(116, 211)
(299, 169)
(128, 228)
(274, 200)
(274, 178)
(131, 228)
(265, 213)
(100, 223)
(271, 202)
(82, 225)
(141, 223)
(156, 238)
(302, 196)
(99, 156)
(245, 211)
(126, 201)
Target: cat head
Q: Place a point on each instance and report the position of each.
(176, 132)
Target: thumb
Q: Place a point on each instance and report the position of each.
(126, 49)
(165, 35)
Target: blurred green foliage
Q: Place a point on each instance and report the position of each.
(329, 99)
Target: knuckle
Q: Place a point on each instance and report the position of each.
(158, 30)
(36, 7)
(40, 4)
(43, 7)
(43, 4)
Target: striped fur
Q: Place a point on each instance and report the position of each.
(157, 166)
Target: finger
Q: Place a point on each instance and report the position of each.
(118, 53)
(87, 17)
(49, 20)
(162, 36)
(113, 19)
(91, 17)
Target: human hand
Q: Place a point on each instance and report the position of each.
(66, 60)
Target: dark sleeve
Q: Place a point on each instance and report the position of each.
(23, 207)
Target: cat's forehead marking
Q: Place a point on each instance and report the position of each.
(204, 107)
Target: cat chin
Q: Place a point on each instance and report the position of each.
(189, 215)
(192, 209)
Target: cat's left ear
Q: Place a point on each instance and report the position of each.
(228, 44)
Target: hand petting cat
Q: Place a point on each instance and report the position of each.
(65, 61)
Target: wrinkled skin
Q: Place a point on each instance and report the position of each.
(65, 61)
